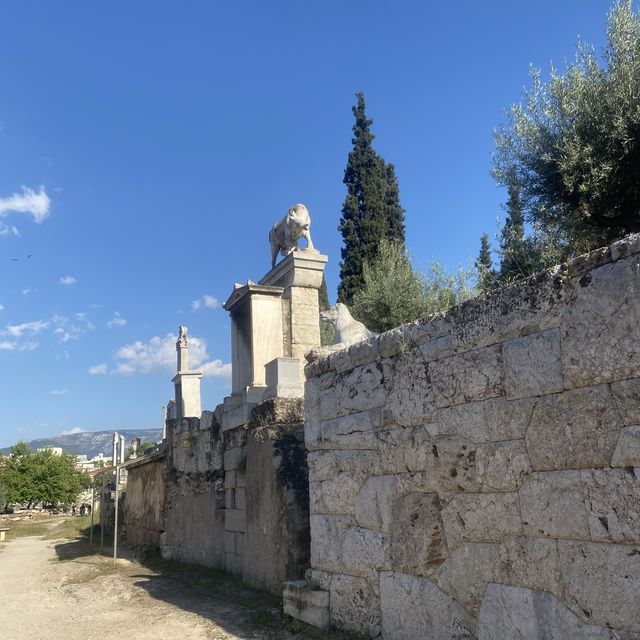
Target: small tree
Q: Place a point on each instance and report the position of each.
(572, 148)
(395, 293)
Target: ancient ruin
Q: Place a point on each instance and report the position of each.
(474, 474)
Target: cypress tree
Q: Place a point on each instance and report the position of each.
(486, 274)
(371, 210)
(514, 258)
(323, 295)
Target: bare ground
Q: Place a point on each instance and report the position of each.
(62, 590)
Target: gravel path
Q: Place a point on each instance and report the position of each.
(86, 598)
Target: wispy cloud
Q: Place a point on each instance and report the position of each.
(16, 345)
(37, 204)
(1, 307)
(67, 281)
(205, 302)
(159, 354)
(29, 328)
(98, 369)
(8, 230)
(26, 292)
(71, 329)
(116, 321)
(59, 392)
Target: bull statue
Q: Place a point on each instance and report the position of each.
(285, 233)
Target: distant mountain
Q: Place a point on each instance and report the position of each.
(91, 443)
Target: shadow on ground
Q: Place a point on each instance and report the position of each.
(212, 594)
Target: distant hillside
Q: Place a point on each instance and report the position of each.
(91, 443)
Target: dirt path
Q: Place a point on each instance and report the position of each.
(43, 597)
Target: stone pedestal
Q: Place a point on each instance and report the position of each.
(187, 387)
(276, 321)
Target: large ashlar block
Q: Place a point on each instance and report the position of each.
(354, 605)
(528, 306)
(366, 553)
(481, 517)
(356, 431)
(601, 328)
(533, 365)
(514, 612)
(602, 582)
(418, 546)
(282, 377)
(627, 451)
(455, 464)
(412, 398)
(577, 429)
(327, 541)
(373, 505)
(531, 562)
(467, 572)
(324, 465)
(553, 505)
(490, 420)
(306, 604)
(612, 500)
(337, 495)
(366, 387)
(627, 397)
(473, 375)
(415, 608)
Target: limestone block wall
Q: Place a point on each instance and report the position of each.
(477, 474)
(145, 503)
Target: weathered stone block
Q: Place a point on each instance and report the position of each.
(318, 579)
(552, 505)
(415, 608)
(354, 605)
(366, 552)
(233, 457)
(489, 420)
(418, 546)
(437, 348)
(625, 247)
(366, 387)
(529, 305)
(473, 375)
(409, 483)
(627, 451)
(336, 496)
(455, 464)
(325, 464)
(533, 364)
(612, 500)
(602, 582)
(627, 397)
(327, 540)
(355, 431)
(306, 604)
(514, 612)
(412, 398)
(465, 574)
(577, 429)
(481, 517)
(373, 503)
(404, 449)
(531, 562)
(601, 328)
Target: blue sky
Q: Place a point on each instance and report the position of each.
(147, 147)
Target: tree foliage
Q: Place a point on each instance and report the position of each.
(371, 211)
(572, 148)
(484, 266)
(40, 477)
(395, 293)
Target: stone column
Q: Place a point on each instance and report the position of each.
(186, 383)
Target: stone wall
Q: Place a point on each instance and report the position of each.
(145, 503)
(477, 474)
(238, 500)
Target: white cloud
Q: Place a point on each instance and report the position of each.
(67, 329)
(26, 292)
(159, 354)
(1, 307)
(205, 302)
(37, 204)
(98, 369)
(59, 392)
(8, 230)
(67, 281)
(70, 432)
(29, 328)
(116, 321)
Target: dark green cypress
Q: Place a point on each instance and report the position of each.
(484, 266)
(371, 209)
(515, 261)
(323, 295)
